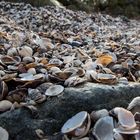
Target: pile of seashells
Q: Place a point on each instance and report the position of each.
(116, 124)
(43, 50)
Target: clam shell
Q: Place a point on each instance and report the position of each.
(5, 105)
(125, 118)
(25, 51)
(134, 105)
(103, 128)
(75, 122)
(4, 135)
(96, 115)
(54, 90)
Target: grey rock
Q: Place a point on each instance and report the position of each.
(21, 123)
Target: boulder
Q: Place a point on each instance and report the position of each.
(22, 123)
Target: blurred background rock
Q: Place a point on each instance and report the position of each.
(129, 8)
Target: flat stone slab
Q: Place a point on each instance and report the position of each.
(21, 123)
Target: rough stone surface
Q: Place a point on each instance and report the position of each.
(21, 124)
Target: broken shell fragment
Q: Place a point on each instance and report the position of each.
(54, 90)
(77, 126)
(103, 128)
(4, 135)
(5, 105)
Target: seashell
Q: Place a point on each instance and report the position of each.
(17, 95)
(91, 75)
(134, 105)
(12, 67)
(35, 95)
(54, 69)
(4, 135)
(77, 126)
(125, 118)
(25, 51)
(7, 60)
(104, 60)
(68, 59)
(96, 115)
(2, 73)
(8, 77)
(63, 75)
(30, 65)
(54, 90)
(43, 87)
(3, 90)
(56, 62)
(123, 80)
(128, 132)
(103, 128)
(12, 52)
(28, 59)
(32, 71)
(5, 105)
(73, 81)
(106, 78)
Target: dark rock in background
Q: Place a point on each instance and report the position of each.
(21, 123)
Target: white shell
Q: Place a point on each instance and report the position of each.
(74, 122)
(25, 51)
(54, 90)
(3, 134)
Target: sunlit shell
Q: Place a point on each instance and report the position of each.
(103, 128)
(125, 118)
(77, 125)
(54, 70)
(96, 115)
(32, 71)
(5, 105)
(4, 135)
(134, 105)
(73, 81)
(54, 90)
(106, 78)
(104, 60)
(3, 90)
(25, 51)
(67, 59)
